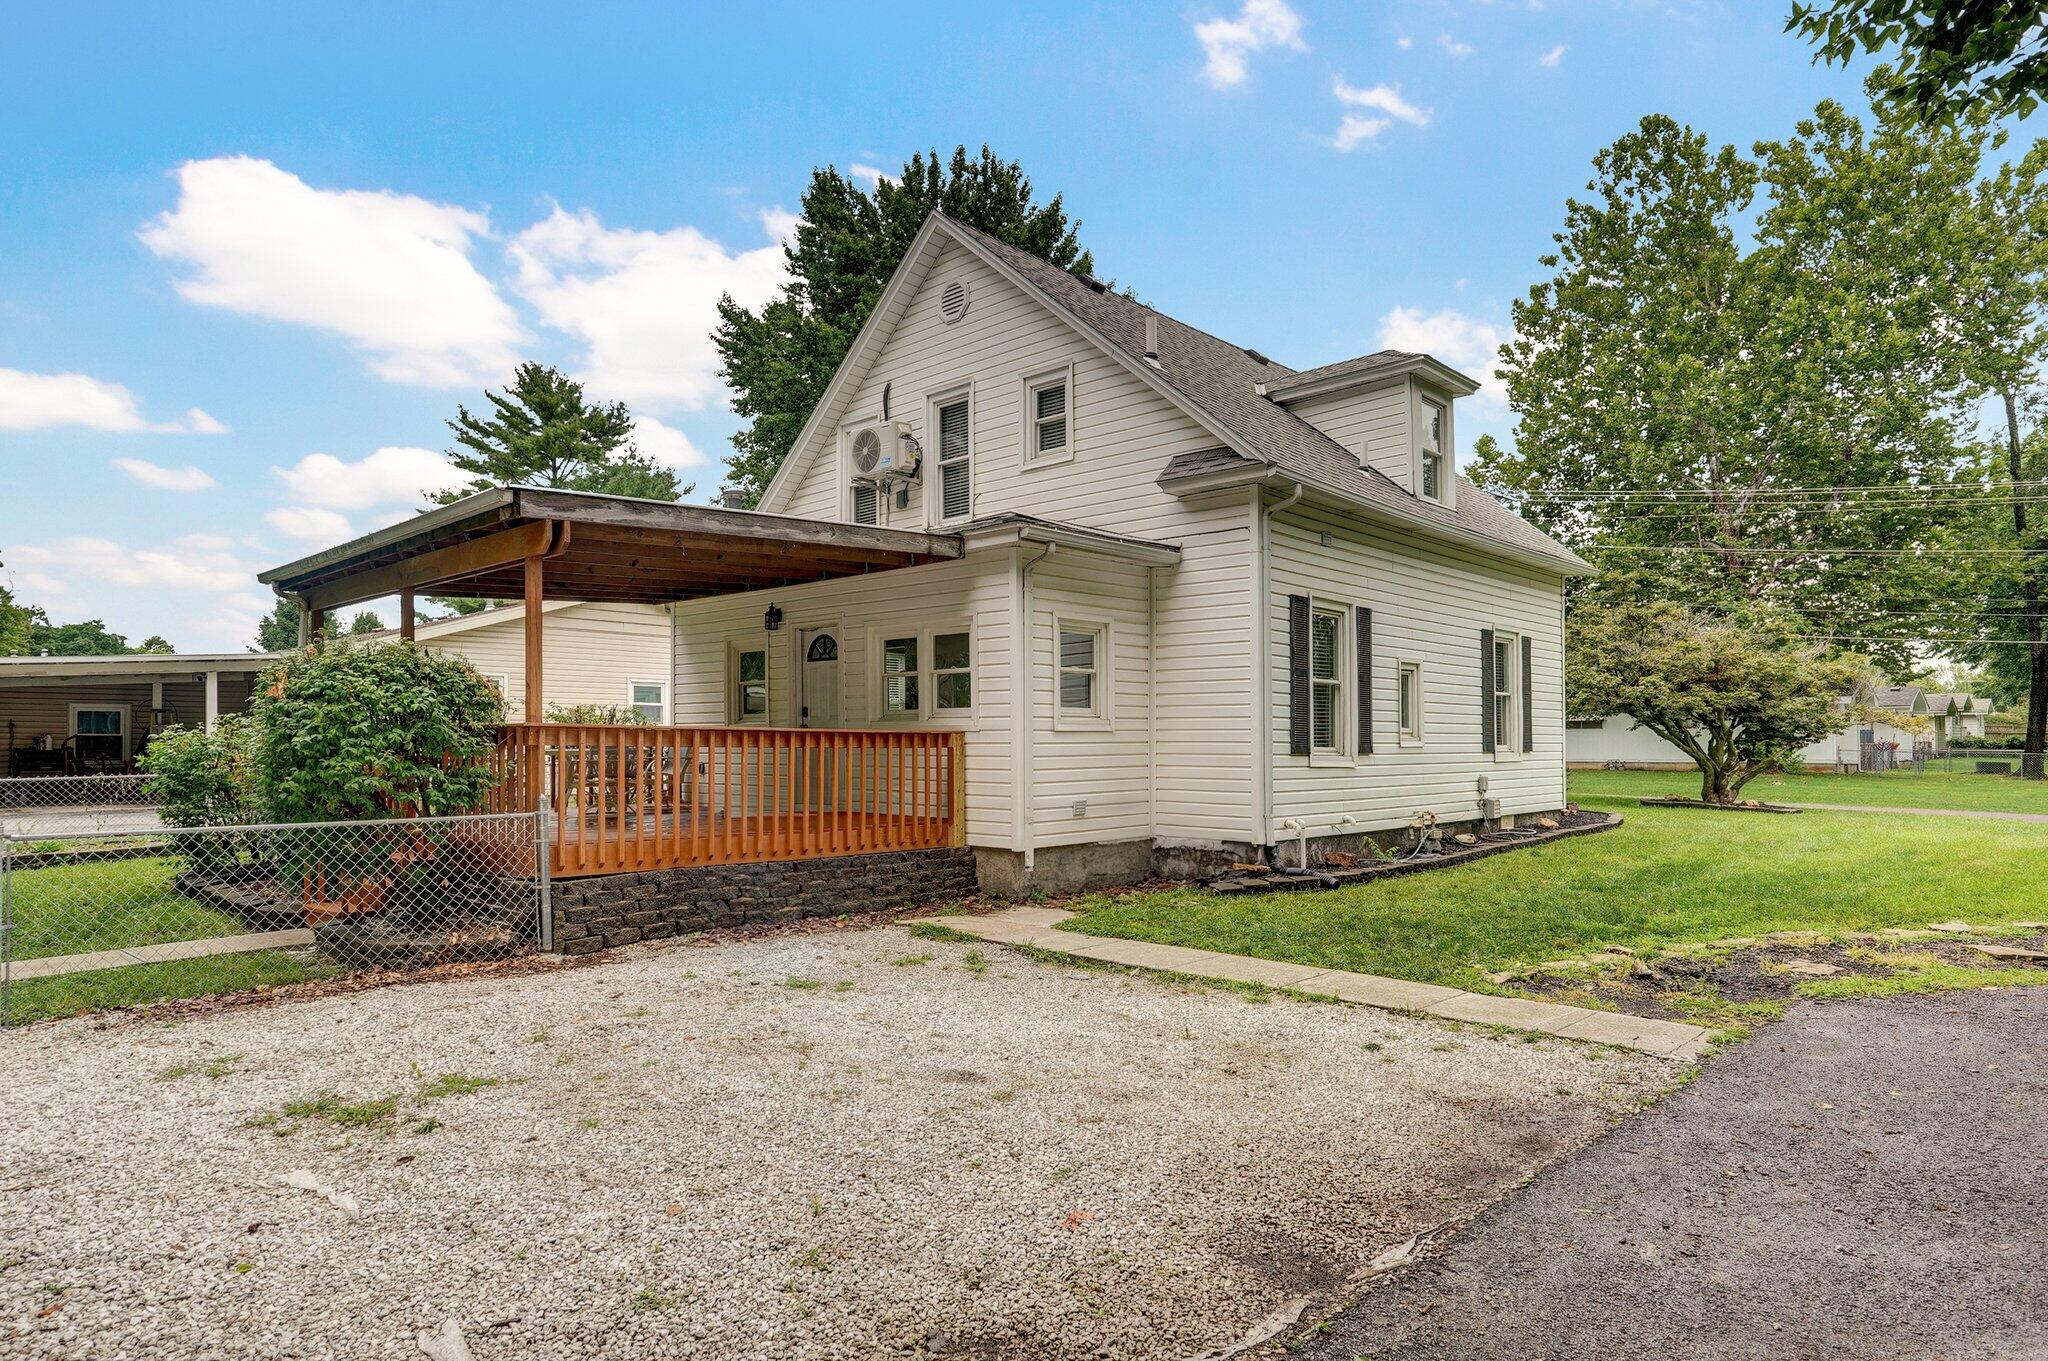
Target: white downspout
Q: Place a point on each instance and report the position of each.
(1262, 673)
(1026, 642)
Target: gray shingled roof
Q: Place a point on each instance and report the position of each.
(1206, 461)
(1897, 698)
(1343, 368)
(1220, 380)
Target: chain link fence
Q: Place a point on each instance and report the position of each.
(57, 804)
(95, 917)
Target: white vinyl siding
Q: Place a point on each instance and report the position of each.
(1430, 603)
(589, 652)
(1373, 424)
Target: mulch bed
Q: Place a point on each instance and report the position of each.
(1575, 822)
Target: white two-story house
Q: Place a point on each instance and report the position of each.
(1207, 605)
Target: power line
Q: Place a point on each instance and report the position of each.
(1906, 488)
(1823, 551)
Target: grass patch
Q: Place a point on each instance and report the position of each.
(802, 984)
(1933, 975)
(1937, 788)
(455, 1084)
(330, 1108)
(975, 962)
(40, 999)
(911, 961)
(1666, 878)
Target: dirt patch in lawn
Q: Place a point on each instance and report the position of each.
(1733, 984)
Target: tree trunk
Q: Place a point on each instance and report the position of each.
(2033, 765)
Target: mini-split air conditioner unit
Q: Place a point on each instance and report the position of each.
(884, 452)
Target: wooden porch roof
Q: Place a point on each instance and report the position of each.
(594, 547)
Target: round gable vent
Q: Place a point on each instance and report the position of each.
(953, 301)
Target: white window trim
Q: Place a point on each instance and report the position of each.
(1447, 482)
(1405, 737)
(928, 710)
(661, 685)
(733, 648)
(127, 721)
(1343, 734)
(1507, 746)
(1103, 717)
(1029, 413)
(933, 478)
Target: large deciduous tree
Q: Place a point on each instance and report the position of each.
(849, 241)
(1951, 56)
(1738, 694)
(1729, 347)
(542, 432)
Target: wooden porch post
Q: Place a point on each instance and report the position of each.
(311, 622)
(407, 615)
(536, 708)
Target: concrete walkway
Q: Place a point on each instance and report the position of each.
(1037, 927)
(1922, 812)
(50, 966)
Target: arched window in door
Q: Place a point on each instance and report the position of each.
(824, 648)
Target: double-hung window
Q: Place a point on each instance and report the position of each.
(956, 458)
(926, 673)
(1080, 670)
(1505, 731)
(1049, 418)
(649, 699)
(749, 685)
(1433, 460)
(1325, 678)
(867, 503)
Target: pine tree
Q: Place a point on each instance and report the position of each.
(542, 432)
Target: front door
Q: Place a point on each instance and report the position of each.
(818, 700)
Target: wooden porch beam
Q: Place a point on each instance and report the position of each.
(443, 566)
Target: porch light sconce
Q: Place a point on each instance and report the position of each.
(772, 620)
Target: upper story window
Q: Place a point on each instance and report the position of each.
(1048, 417)
(867, 504)
(956, 459)
(1435, 458)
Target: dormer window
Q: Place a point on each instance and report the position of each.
(1433, 471)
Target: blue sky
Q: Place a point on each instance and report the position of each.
(252, 256)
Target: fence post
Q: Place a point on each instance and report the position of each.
(6, 933)
(543, 869)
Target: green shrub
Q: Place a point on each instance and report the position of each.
(609, 714)
(348, 732)
(204, 779)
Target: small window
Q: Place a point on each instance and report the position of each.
(1051, 434)
(1326, 686)
(1411, 702)
(956, 488)
(952, 674)
(867, 504)
(1080, 679)
(1433, 450)
(750, 685)
(1504, 692)
(824, 648)
(899, 675)
(650, 700)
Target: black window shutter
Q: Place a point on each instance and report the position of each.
(1528, 709)
(1486, 689)
(1297, 675)
(1364, 631)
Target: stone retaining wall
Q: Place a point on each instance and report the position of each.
(607, 910)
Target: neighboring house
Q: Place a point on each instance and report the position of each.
(1591, 743)
(1207, 603)
(1957, 715)
(94, 715)
(610, 655)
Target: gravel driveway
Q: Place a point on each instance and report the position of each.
(845, 1144)
(1861, 1180)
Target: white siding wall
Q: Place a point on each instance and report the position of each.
(1105, 762)
(1618, 739)
(1373, 423)
(973, 593)
(1123, 433)
(1429, 605)
(590, 653)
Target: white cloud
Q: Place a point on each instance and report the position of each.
(393, 473)
(61, 568)
(389, 272)
(873, 174)
(1404, 43)
(644, 303)
(1463, 341)
(666, 445)
(1549, 60)
(1226, 43)
(1387, 104)
(165, 479)
(44, 401)
(1453, 46)
(309, 524)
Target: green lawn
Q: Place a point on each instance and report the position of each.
(1668, 876)
(111, 904)
(1893, 789)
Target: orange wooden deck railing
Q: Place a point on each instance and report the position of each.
(628, 798)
